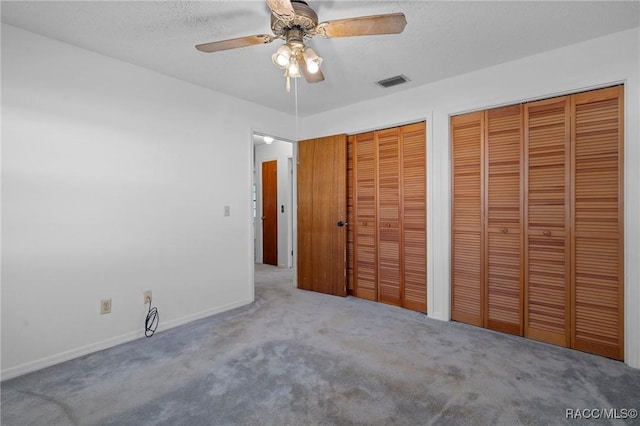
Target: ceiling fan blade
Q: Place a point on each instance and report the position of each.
(393, 23)
(311, 78)
(234, 43)
(282, 9)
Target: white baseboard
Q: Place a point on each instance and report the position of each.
(203, 314)
(48, 361)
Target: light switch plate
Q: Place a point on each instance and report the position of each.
(105, 306)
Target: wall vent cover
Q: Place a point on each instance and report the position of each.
(392, 81)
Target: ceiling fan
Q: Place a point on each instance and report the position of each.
(294, 21)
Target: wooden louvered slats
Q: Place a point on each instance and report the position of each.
(465, 298)
(503, 278)
(350, 217)
(389, 276)
(547, 298)
(547, 167)
(467, 270)
(504, 307)
(364, 224)
(467, 171)
(414, 217)
(547, 261)
(597, 312)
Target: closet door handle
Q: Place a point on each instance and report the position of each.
(364, 223)
(504, 230)
(388, 225)
(546, 233)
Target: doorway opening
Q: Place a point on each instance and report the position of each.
(273, 200)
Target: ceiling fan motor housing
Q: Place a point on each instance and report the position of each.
(305, 20)
(295, 37)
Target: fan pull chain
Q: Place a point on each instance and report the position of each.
(295, 83)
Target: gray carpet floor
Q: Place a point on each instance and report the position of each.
(301, 358)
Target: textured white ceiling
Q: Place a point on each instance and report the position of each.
(442, 39)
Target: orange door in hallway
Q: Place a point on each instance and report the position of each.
(270, 212)
(322, 215)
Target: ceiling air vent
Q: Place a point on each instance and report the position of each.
(392, 81)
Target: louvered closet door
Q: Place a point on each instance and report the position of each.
(389, 273)
(598, 237)
(466, 263)
(503, 231)
(350, 217)
(547, 205)
(414, 217)
(364, 225)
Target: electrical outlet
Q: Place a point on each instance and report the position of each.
(147, 297)
(105, 306)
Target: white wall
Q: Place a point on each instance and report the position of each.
(599, 62)
(279, 151)
(114, 181)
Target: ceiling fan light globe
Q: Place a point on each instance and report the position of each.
(313, 66)
(312, 60)
(277, 61)
(293, 70)
(280, 60)
(282, 56)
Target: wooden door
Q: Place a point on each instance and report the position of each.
(365, 270)
(414, 217)
(389, 242)
(547, 212)
(467, 270)
(321, 206)
(597, 170)
(270, 212)
(503, 241)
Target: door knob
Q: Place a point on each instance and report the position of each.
(263, 217)
(546, 233)
(341, 223)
